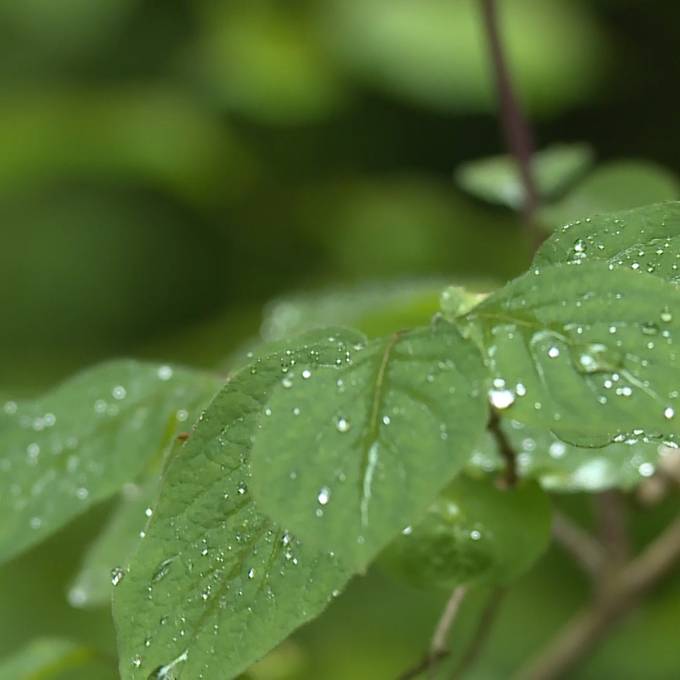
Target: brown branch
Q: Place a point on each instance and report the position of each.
(516, 129)
(619, 596)
(438, 646)
(505, 448)
(582, 547)
(480, 636)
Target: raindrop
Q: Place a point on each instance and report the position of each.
(117, 575)
(553, 352)
(501, 399)
(162, 569)
(646, 470)
(669, 413)
(119, 392)
(251, 573)
(666, 315)
(324, 495)
(287, 382)
(342, 424)
(165, 372)
(306, 374)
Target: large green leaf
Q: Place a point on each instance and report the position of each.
(589, 352)
(614, 186)
(55, 659)
(350, 453)
(497, 179)
(80, 443)
(644, 239)
(473, 532)
(215, 583)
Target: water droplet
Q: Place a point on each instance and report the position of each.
(475, 535)
(646, 470)
(386, 420)
(324, 495)
(501, 399)
(287, 382)
(136, 661)
(162, 569)
(666, 315)
(557, 449)
(148, 512)
(165, 372)
(251, 573)
(669, 413)
(342, 424)
(119, 392)
(553, 352)
(117, 575)
(306, 374)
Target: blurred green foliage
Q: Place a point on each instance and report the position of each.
(167, 168)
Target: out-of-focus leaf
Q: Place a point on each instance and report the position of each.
(433, 51)
(374, 309)
(265, 62)
(473, 532)
(155, 136)
(92, 586)
(497, 179)
(80, 443)
(613, 186)
(54, 659)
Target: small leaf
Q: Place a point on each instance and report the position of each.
(614, 186)
(349, 453)
(80, 443)
(589, 352)
(54, 659)
(215, 584)
(473, 532)
(92, 586)
(497, 179)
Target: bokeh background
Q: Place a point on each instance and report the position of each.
(169, 168)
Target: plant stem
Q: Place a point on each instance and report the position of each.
(618, 597)
(438, 646)
(510, 477)
(585, 550)
(481, 634)
(516, 129)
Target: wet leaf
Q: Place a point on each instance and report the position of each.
(587, 351)
(80, 443)
(473, 532)
(642, 240)
(93, 585)
(351, 452)
(497, 179)
(563, 467)
(215, 583)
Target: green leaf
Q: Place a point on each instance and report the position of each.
(563, 467)
(92, 586)
(350, 453)
(215, 583)
(614, 186)
(473, 532)
(80, 443)
(54, 659)
(497, 179)
(588, 352)
(644, 240)
(375, 309)
(431, 52)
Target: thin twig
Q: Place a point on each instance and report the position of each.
(481, 634)
(623, 592)
(585, 550)
(505, 448)
(438, 646)
(515, 126)
(611, 512)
